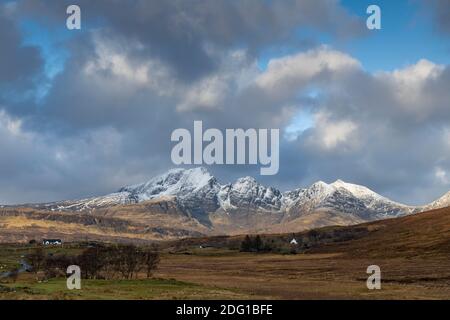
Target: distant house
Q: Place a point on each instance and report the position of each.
(294, 242)
(52, 242)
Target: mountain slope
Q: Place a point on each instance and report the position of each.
(197, 191)
(195, 197)
(423, 234)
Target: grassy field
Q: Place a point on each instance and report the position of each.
(312, 276)
(223, 274)
(55, 289)
(412, 252)
(27, 287)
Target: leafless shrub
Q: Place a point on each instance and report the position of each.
(100, 262)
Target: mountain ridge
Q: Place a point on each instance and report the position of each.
(183, 202)
(198, 192)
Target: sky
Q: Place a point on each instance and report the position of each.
(85, 112)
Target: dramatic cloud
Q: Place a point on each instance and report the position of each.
(286, 75)
(135, 73)
(183, 34)
(330, 134)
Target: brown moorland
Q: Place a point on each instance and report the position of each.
(413, 253)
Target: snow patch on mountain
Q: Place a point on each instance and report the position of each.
(198, 193)
(176, 182)
(342, 197)
(249, 194)
(356, 190)
(442, 202)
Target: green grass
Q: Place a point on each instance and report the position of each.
(115, 290)
(27, 287)
(11, 254)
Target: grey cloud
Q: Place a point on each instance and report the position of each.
(181, 32)
(18, 63)
(37, 167)
(399, 142)
(96, 131)
(441, 12)
(396, 152)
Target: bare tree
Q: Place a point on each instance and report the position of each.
(151, 260)
(131, 258)
(91, 262)
(36, 259)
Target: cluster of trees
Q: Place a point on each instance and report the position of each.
(305, 240)
(100, 262)
(271, 244)
(276, 245)
(254, 245)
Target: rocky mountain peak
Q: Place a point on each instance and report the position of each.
(198, 193)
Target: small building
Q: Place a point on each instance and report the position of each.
(51, 242)
(294, 242)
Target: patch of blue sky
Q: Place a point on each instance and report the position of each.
(50, 42)
(304, 117)
(302, 121)
(407, 35)
(52, 49)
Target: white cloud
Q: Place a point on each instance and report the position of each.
(138, 98)
(114, 61)
(329, 134)
(442, 176)
(409, 86)
(209, 93)
(298, 69)
(10, 126)
(414, 75)
(236, 73)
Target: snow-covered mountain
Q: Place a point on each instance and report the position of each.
(194, 190)
(442, 202)
(247, 193)
(343, 197)
(197, 193)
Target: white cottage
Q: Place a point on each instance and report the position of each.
(52, 242)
